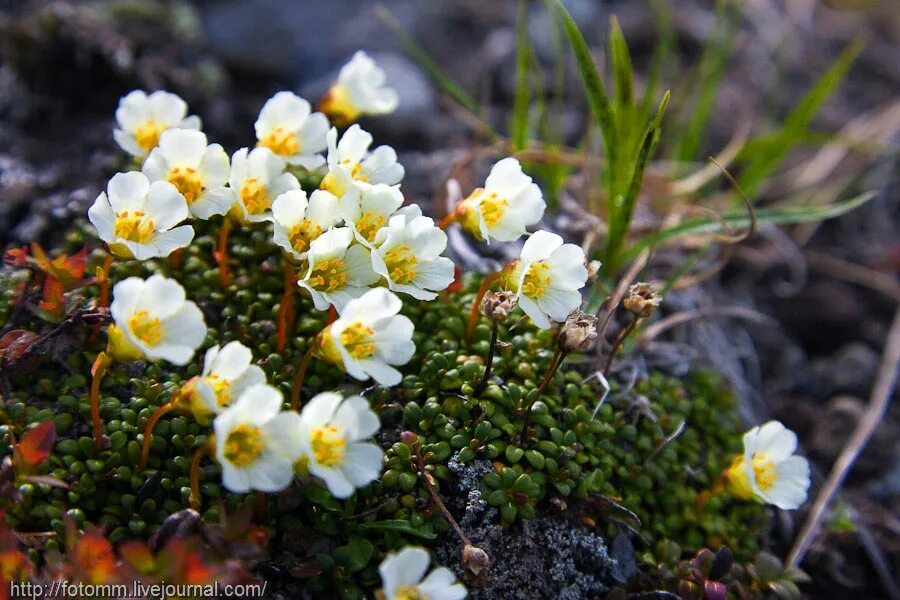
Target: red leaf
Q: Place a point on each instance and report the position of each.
(52, 306)
(67, 269)
(16, 257)
(15, 343)
(35, 447)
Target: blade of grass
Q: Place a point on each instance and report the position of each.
(519, 125)
(710, 70)
(778, 215)
(621, 64)
(619, 225)
(664, 55)
(762, 159)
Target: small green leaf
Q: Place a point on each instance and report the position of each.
(399, 526)
(519, 125)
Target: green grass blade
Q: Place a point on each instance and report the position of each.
(664, 56)
(446, 83)
(594, 89)
(519, 125)
(762, 159)
(778, 215)
(621, 64)
(710, 70)
(618, 226)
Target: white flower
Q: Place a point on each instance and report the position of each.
(227, 372)
(350, 160)
(256, 443)
(299, 222)
(369, 337)
(142, 118)
(546, 278)
(508, 203)
(402, 577)
(286, 127)
(153, 320)
(768, 469)
(366, 208)
(407, 254)
(359, 90)
(199, 171)
(136, 218)
(331, 430)
(337, 271)
(257, 178)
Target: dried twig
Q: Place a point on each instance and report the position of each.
(854, 273)
(878, 401)
(654, 330)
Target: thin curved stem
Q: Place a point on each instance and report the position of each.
(195, 475)
(489, 361)
(447, 221)
(221, 252)
(619, 340)
(486, 283)
(297, 389)
(148, 431)
(98, 370)
(286, 313)
(558, 357)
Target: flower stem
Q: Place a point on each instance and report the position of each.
(489, 362)
(707, 495)
(429, 484)
(476, 303)
(221, 252)
(558, 357)
(446, 221)
(148, 431)
(300, 376)
(103, 296)
(195, 475)
(98, 370)
(286, 313)
(619, 340)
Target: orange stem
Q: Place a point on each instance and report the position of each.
(300, 376)
(446, 221)
(103, 297)
(221, 252)
(476, 303)
(195, 475)
(148, 431)
(707, 495)
(286, 315)
(98, 370)
(332, 315)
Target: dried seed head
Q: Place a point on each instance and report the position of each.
(578, 333)
(475, 560)
(593, 268)
(641, 300)
(497, 305)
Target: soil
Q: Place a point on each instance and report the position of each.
(65, 64)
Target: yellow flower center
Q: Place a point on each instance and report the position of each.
(369, 224)
(188, 181)
(537, 280)
(357, 339)
(328, 275)
(327, 445)
(146, 328)
(281, 142)
(147, 135)
(491, 206)
(255, 196)
(337, 185)
(303, 233)
(134, 226)
(120, 347)
(401, 264)
(243, 445)
(764, 471)
(221, 387)
(336, 104)
(409, 592)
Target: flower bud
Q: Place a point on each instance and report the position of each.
(578, 333)
(641, 300)
(475, 560)
(497, 305)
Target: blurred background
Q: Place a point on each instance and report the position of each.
(824, 292)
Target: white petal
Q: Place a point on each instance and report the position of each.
(165, 242)
(155, 166)
(441, 584)
(258, 404)
(234, 479)
(337, 482)
(776, 441)
(320, 409)
(405, 568)
(531, 308)
(183, 146)
(127, 142)
(128, 191)
(356, 419)
(283, 435)
(359, 267)
(133, 110)
(215, 201)
(161, 297)
(558, 303)
(354, 143)
(166, 108)
(362, 463)
(103, 218)
(214, 166)
(381, 372)
(289, 208)
(271, 472)
(539, 246)
(165, 205)
(125, 296)
(232, 360)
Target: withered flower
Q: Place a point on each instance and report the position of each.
(641, 300)
(578, 333)
(497, 305)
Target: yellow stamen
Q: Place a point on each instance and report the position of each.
(244, 445)
(537, 280)
(336, 185)
(357, 339)
(738, 482)
(120, 347)
(328, 275)
(764, 471)
(134, 227)
(401, 264)
(147, 135)
(303, 233)
(491, 206)
(369, 224)
(327, 445)
(337, 106)
(409, 592)
(255, 196)
(187, 180)
(281, 142)
(146, 328)
(222, 389)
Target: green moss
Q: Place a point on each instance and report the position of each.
(612, 471)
